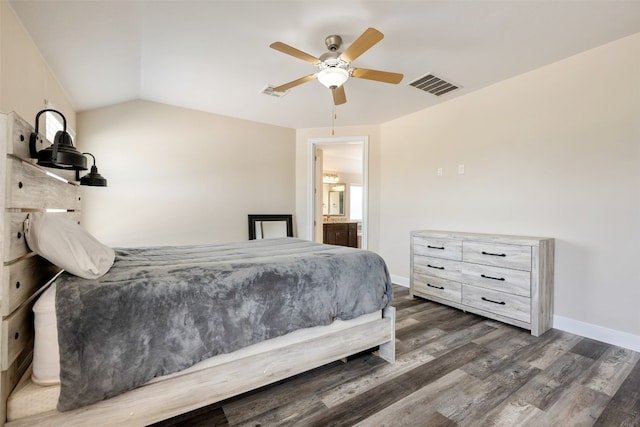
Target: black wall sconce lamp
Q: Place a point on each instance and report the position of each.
(62, 154)
(93, 178)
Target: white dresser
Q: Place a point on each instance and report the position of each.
(506, 278)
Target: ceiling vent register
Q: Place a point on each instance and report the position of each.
(269, 91)
(433, 84)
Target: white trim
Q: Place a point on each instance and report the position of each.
(600, 333)
(311, 215)
(365, 192)
(399, 280)
(53, 123)
(311, 149)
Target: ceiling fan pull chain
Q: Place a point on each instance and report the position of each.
(334, 116)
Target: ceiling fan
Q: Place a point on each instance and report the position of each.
(334, 67)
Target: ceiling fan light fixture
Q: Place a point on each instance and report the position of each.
(333, 77)
(334, 66)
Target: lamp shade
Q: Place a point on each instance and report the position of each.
(94, 178)
(62, 154)
(333, 77)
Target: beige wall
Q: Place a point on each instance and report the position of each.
(179, 176)
(555, 152)
(26, 82)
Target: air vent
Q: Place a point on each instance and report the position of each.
(269, 91)
(432, 84)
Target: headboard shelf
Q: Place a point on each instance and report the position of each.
(32, 187)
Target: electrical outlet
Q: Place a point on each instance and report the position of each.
(460, 169)
(439, 172)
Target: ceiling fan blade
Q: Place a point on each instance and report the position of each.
(285, 48)
(339, 97)
(294, 83)
(370, 37)
(380, 76)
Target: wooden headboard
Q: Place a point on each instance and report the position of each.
(26, 188)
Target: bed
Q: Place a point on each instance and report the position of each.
(257, 362)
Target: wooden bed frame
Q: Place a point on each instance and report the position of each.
(24, 276)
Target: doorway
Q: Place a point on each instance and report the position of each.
(338, 186)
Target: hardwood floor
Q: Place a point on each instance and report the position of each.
(452, 369)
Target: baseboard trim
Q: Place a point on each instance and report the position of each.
(599, 333)
(587, 330)
(399, 280)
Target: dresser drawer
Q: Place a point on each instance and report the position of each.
(499, 255)
(516, 282)
(439, 248)
(437, 287)
(438, 267)
(508, 305)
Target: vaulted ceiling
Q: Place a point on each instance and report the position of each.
(214, 55)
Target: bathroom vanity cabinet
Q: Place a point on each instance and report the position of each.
(341, 234)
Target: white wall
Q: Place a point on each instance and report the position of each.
(554, 152)
(179, 176)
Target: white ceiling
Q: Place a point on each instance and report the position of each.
(214, 55)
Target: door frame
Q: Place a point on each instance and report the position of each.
(313, 186)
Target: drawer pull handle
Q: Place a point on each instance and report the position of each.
(436, 247)
(433, 266)
(489, 253)
(492, 278)
(495, 302)
(437, 287)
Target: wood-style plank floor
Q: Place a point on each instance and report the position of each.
(452, 369)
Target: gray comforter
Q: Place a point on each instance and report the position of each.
(161, 309)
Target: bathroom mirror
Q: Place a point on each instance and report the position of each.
(333, 199)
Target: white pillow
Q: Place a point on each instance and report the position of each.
(64, 243)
